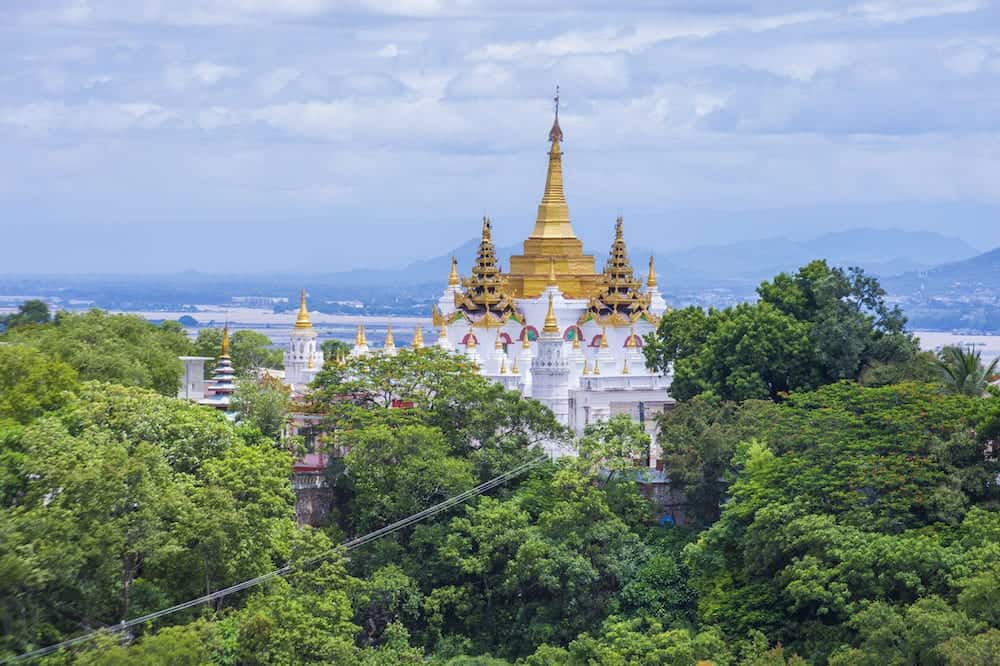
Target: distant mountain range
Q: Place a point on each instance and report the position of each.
(881, 252)
(953, 278)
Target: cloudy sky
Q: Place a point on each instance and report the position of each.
(370, 131)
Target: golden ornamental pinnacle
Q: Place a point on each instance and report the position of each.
(631, 338)
(526, 340)
(604, 337)
(390, 342)
(499, 343)
(586, 367)
(551, 324)
(360, 340)
(576, 339)
(418, 338)
(225, 340)
(302, 321)
(597, 366)
(513, 369)
(453, 277)
(651, 278)
(443, 333)
(503, 366)
(625, 367)
(470, 340)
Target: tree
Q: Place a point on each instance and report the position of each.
(124, 349)
(248, 349)
(962, 371)
(263, 404)
(334, 349)
(32, 383)
(30, 312)
(818, 326)
(616, 445)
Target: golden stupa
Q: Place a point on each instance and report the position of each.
(552, 245)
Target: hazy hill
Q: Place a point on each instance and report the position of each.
(883, 252)
(978, 273)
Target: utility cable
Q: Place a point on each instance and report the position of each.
(287, 569)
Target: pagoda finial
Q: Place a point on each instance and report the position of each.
(553, 213)
(597, 366)
(499, 343)
(360, 339)
(631, 338)
(555, 134)
(418, 338)
(526, 340)
(453, 277)
(551, 324)
(390, 342)
(303, 321)
(225, 340)
(487, 228)
(619, 235)
(651, 278)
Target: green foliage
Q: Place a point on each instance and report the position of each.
(334, 349)
(32, 383)
(123, 349)
(850, 496)
(962, 371)
(128, 502)
(818, 326)
(616, 445)
(30, 312)
(262, 404)
(248, 349)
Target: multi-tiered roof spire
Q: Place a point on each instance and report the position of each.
(619, 301)
(487, 300)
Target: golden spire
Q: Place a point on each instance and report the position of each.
(604, 337)
(503, 365)
(513, 369)
(552, 272)
(526, 340)
(390, 342)
(418, 338)
(453, 277)
(553, 213)
(651, 278)
(586, 367)
(225, 340)
(576, 339)
(631, 337)
(551, 324)
(597, 366)
(360, 340)
(302, 321)
(625, 366)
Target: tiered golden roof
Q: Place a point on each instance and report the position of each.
(619, 300)
(487, 299)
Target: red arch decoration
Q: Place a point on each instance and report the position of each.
(596, 341)
(634, 337)
(572, 333)
(530, 331)
(470, 336)
(505, 339)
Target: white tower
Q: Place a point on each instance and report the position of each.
(550, 369)
(302, 358)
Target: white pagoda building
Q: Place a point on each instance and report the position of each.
(552, 327)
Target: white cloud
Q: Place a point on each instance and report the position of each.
(388, 51)
(180, 77)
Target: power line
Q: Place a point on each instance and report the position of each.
(287, 569)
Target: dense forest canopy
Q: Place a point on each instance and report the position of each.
(842, 511)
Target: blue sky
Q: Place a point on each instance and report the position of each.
(370, 131)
